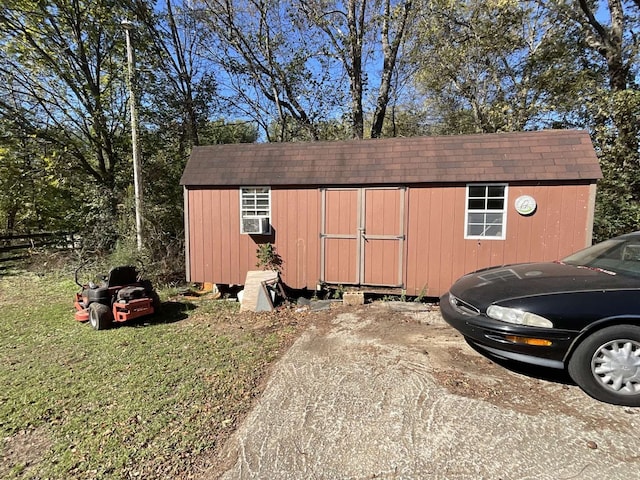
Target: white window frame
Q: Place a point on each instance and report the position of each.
(503, 211)
(255, 210)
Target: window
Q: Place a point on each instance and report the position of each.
(486, 211)
(255, 210)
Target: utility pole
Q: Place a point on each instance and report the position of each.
(137, 177)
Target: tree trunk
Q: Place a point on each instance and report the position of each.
(390, 55)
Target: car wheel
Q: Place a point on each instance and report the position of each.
(606, 365)
(99, 316)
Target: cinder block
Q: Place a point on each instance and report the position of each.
(353, 298)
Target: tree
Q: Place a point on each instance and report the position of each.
(37, 190)
(62, 98)
(299, 63)
(350, 29)
(61, 79)
(483, 65)
(607, 35)
(268, 63)
(506, 65)
(181, 85)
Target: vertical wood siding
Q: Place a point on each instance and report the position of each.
(296, 221)
(383, 230)
(219, 253)
(435, 251)
(341, 236)
(438, 254)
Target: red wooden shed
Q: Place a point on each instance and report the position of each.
(407, 213)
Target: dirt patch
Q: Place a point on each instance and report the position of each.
(380, 392)
(23, 451)
(465, 372)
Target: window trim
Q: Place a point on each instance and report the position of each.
(503, 211)
(242, 209)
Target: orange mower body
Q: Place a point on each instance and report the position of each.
(122, 296)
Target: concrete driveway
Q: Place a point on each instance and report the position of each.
(383, 391)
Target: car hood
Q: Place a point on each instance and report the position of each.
(488, 286)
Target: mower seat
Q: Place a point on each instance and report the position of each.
(129, 293)
(119, 276)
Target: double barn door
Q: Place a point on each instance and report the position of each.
(362, 237)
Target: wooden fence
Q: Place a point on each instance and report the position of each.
(19, 246)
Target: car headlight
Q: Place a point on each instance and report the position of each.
(517, 317)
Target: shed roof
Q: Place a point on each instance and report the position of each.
(523, 156)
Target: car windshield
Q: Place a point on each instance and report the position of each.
(616, 256)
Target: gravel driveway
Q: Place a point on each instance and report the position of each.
(389, 391)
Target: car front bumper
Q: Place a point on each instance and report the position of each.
(492, 336)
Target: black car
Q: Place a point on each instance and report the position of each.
(581, 314)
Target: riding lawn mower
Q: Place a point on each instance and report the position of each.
(121, 295)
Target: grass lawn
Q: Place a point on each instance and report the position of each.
(150, 399)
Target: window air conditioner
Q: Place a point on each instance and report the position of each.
(255, 226)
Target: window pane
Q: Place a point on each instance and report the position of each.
(486, 210)
(495, 204)
(255, 202)
(477, 191)
(476, 203)
(496, 191)
(477, 218)
(494, 218)
(493, 231)
(474, 230)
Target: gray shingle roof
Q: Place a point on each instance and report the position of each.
(524, 156)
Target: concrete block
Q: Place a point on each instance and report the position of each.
(353, 298)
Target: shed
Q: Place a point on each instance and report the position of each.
(411, 214)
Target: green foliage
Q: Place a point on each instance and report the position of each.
(474, 66)
(406, 121)
(268, 258)
(618, 198)
(422, 294)
(63, 84)
(338, 292)
(37, 190)
(480, 64)
(221, 131)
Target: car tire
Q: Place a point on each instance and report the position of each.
(606, 365)
(100, 316)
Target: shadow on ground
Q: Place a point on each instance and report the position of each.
(169, 312)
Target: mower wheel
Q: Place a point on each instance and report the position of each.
(155, 298)
(100, 316)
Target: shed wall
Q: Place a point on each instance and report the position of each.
(219, 253)
(436, 252)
